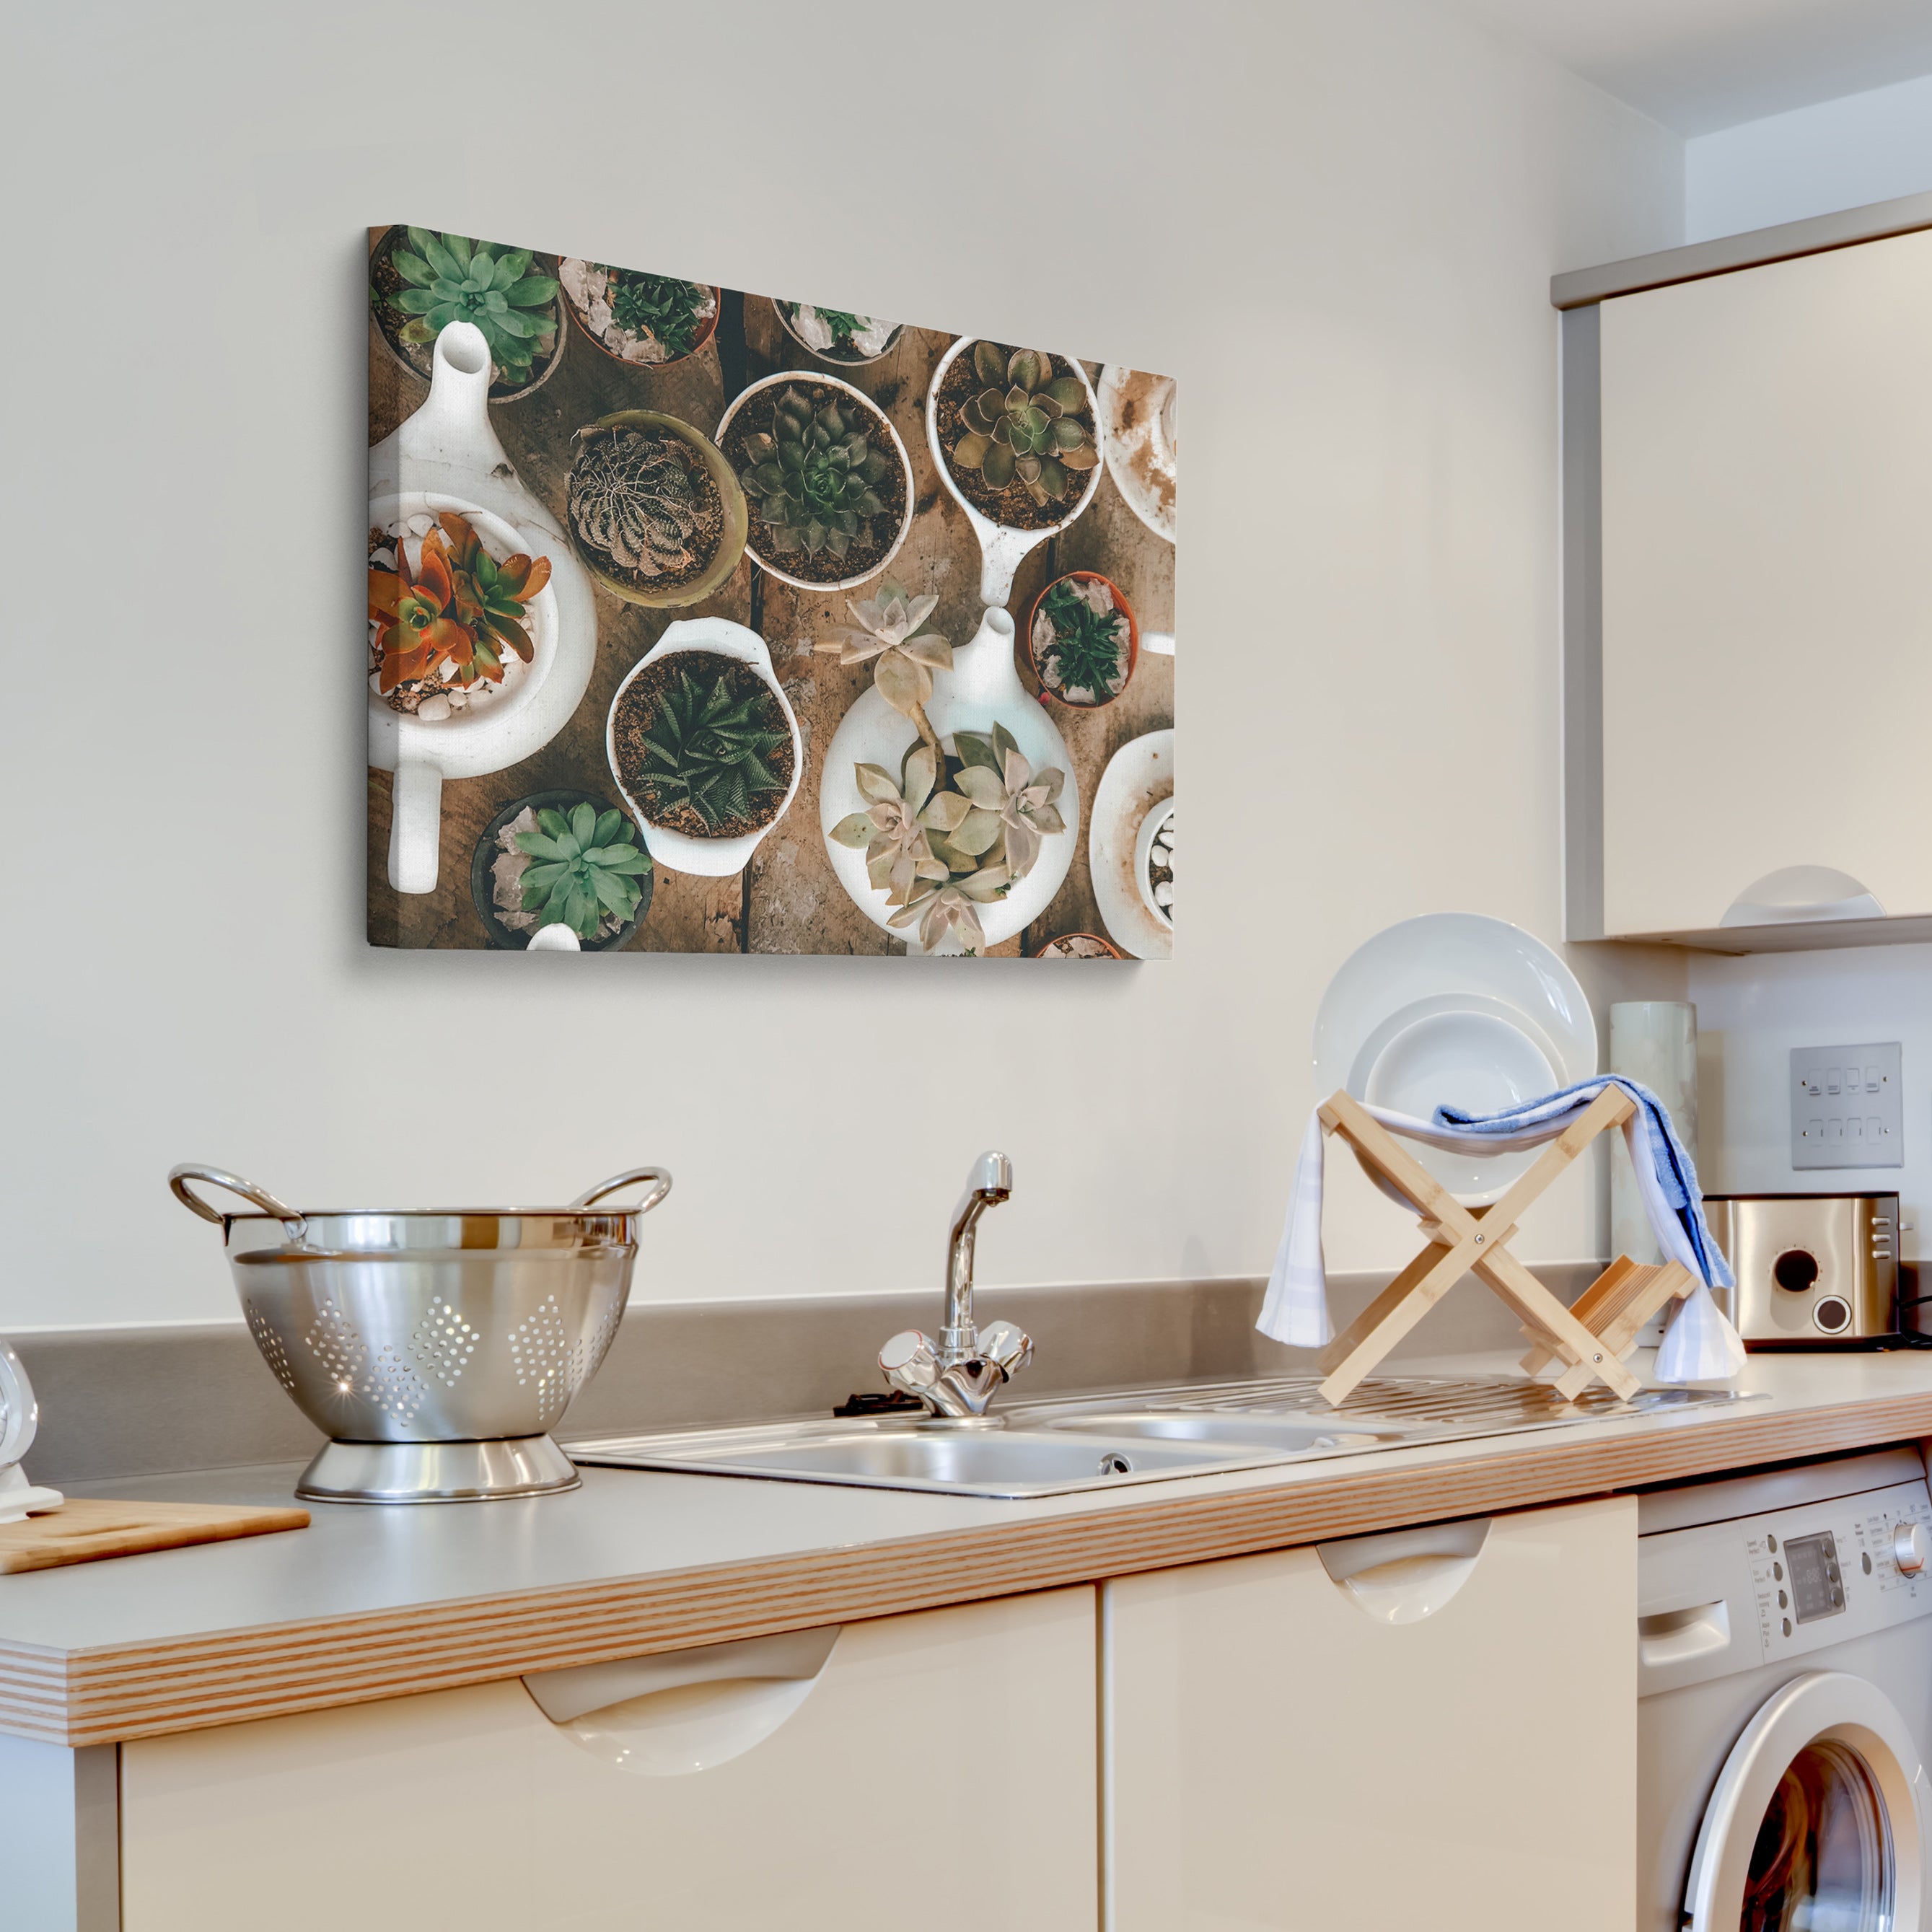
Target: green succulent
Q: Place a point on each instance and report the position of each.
(1026, 422)
(710, 749)
(582, 867)
(453, 279)
(659, 305)
(1080, 640)
(813, 476)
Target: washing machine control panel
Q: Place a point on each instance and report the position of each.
(1729, 1596)
(1828, 1570)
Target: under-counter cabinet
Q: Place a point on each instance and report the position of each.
(1434, 1727)
(938, 1767)
(1762, 440)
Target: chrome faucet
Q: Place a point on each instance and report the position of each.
(958, 1376)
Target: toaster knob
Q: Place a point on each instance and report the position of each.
(1911, 1548)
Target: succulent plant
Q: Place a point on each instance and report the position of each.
(813, 476)
(1005, 793)
(839, 331)
(708, 748)
(659, 305)
(899, 852)
(954, 907)
(582, 866)
(1024, 423)
(453, 279)
(1080, 640)
(632, 499)
(938, 851)
(888, 631)
(452, 618)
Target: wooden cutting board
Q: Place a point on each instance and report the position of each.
(85, 1530)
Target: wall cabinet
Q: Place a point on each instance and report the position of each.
(1436, 1727)
(1763, 454)
(940, 1766)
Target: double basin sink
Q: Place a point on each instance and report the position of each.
(1055, 1447)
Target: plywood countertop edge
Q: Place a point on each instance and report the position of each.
(98, 1695)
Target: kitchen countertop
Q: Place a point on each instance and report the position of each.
(375, 1602)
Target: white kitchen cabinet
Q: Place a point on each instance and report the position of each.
(1766, 472)
(1446, 1738)
(939, 1766)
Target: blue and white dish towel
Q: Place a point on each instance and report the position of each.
(1700, 1345)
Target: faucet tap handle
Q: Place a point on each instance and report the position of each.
(911, 1362)
(1006, 1345)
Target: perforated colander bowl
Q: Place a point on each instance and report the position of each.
(438, 1347)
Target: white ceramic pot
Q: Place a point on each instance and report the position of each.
(982, 689)
(1150, 830)
(1002, 548)
(446, 457)
(678, 851)
(785, 377)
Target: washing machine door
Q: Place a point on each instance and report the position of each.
(1819, 1820)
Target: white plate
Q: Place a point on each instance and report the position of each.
(1459, 1008)
(1137, 430)
(1138, 777)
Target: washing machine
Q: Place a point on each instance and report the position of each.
(1784, 1645)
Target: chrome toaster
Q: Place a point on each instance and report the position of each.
(1811, 1268)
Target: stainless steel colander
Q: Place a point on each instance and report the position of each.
(437, 1348)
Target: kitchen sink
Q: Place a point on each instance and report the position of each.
(1055, 1446)
(895, 1455)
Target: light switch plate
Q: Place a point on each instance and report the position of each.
(1847, 1106)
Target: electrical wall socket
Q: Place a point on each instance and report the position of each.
(1847, 1106)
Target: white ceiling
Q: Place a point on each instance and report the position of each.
(1698, 65)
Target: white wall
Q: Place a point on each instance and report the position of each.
(1814, 161)
(1751, 1012)
(1335, 225)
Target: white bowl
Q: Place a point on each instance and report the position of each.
(678, 851)
(1144, 840)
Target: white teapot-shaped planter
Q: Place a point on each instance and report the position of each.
(981, 689)
(446, 457)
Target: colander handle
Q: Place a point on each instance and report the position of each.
(628, 1179)
(292, 1223)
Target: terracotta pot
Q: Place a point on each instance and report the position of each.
(1049, 951)
(1120, 604)
(787, 377)
(548, 263)
(706, 329)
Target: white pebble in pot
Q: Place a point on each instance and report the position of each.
(1163, 893)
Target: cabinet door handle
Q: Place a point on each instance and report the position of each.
(1801, 896)
(564, 1696)
(1404, 1575)
(684, 1711)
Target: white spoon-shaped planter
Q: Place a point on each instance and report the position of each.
(981, 689)
(756, 527)
(678, 851)
(446, 457)
(1003, 548)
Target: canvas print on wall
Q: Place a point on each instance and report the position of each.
(705, 622)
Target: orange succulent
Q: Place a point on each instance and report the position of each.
(452, 618)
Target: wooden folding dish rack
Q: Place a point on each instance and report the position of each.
(1590, 1339)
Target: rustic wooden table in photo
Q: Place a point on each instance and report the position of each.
(788, 899)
